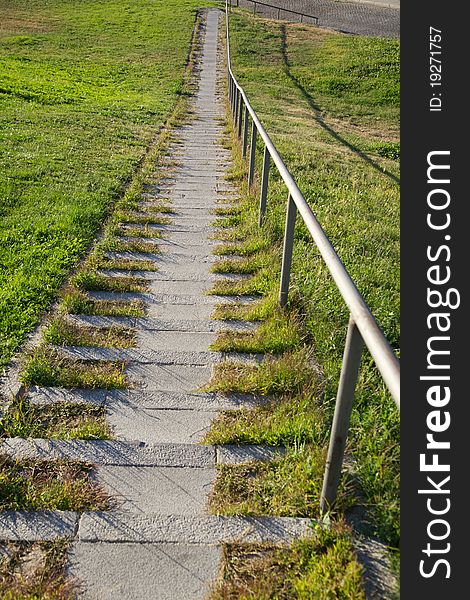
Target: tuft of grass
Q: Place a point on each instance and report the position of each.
(140, 232)
(289, 373)
(45, 366)
(76, 302)
(281, 332)
(289, 486)
(322, 567)
(118, 244)
(61, 420)
(283, 421)
(245, 267)
(92, 281)
(141, 218)
(62, 332)
(49, 485)
(35, 570)
(248, 248)
(126, 264)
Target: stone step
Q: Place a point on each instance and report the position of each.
(178, 272)
(145, 324)
(131, 422)
(133, 357)
(136, 454)
(159, 571)
(124, 527)
(147, 400)
(158, 490)
(156, 528)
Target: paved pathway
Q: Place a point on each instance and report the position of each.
(373, 18)
(160, 542)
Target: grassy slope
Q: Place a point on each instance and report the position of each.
(84, 87)
(330, 103)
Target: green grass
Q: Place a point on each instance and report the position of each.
(62, 420)
(330, 104)
(92, 281)
(49, 485)
(45, 366)
(322, 567)
(35, 571)
(277, 334)
(290, 373)
(285, 487)
(76, 302)
(287, 420)
(125, 264)
(63, 332)
(84, 89)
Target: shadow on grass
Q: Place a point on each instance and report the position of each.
(318, 116)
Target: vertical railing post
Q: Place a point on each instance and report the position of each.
(245, 132)
(264, 185)
(240, 116)
(287, 251)
(251, 169)
(234, 108)
(339, 430)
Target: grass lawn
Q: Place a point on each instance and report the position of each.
(84, 89)
(330, 102)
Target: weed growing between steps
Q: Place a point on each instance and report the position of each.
(96, 282)
(49, 485)
(35, 571)
(286, 420)
(126, 264)
(323, 567)
(353, 190)
(61, 420)
(46, 367)
(289, 373)
(289, 486)
(77, 302)
(63, 332)
(277, 334)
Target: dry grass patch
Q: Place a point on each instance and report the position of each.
(35, 571)
(61, 420)
(49, 485)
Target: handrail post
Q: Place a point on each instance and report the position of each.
(264, 185)
(287, 251)
(235, 100)
(245, 132)
(251, 170)
(240, 116)
(339, 430)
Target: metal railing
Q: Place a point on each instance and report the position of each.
(279, 9)
(362, 328)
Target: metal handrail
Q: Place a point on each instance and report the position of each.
(362, 328)
(279, 10)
